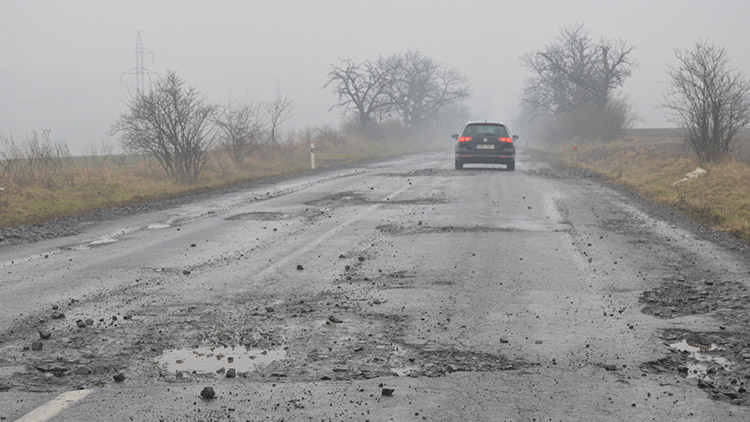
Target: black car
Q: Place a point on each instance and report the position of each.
(485, 143)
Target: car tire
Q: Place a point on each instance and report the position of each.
(511, 165)
(459, 165)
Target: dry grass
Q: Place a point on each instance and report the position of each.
(86, 185)
(651, 161)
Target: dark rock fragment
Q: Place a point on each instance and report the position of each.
(335, 319)
(208, 393)
(361, 259)
(37, 345)
(270, 309)
(57, 315)
(186, 272)
(44, 335)
(81, 323)
(610, 367)
(89, 321)
(231, 373)
(119, 377)
(387, 392)
(300, 267)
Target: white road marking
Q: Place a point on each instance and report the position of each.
(53, 407)
(325, 236)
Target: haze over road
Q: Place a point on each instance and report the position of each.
(481, 294)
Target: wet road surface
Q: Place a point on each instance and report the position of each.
(402, 290)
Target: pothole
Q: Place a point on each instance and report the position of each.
(158, 226)
(217, 359)
(259, 215)
(702, 363)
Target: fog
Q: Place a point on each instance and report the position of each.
(63, 62)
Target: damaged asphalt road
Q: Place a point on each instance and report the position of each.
(401, 290)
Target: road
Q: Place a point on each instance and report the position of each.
(401, 290)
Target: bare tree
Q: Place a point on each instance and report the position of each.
(37, 160)
(576, 73)
(361, 87)
(172, 123)
(239, 127)
(420, 87)
(277, 112)
(709, 99)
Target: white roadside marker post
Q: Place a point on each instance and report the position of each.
(312, 156)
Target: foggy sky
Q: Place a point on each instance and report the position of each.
(63, 61)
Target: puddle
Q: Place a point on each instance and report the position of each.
(699, 368)
(158, 226)
(94, 243)
(213, 359)
(405, 371)
(102, 242)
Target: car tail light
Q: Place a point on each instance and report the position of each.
(464, 139)
(507, 140)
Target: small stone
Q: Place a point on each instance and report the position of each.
(119, 377)
(37, 345)
(325, 378)
(81, 323)
(208, 393)
(342, 256)
(231, 373)
(539, 342)
(270, 309)
(192, 245)
(185, 272)
(89, 321)
(44, 335)
(451, 368)
(55, 307)
(300, 267)
(57, 315)
(127, 317)
(610, 367)
(387, 392)
(82, 370)
(504, 340)
(361, 259)
(334, 319)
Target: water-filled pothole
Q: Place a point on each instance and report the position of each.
(158, 226)
(214, 359)
(702, 361)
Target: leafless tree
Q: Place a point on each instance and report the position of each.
(360, 87)
(277, 112)
(419, 87)
(709, 99)
(577, 72)
(37, 160)
(172, 123)
(239, 128)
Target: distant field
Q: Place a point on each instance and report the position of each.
(650, 161)
(672, 140)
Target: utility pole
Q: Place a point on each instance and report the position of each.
(140, 71)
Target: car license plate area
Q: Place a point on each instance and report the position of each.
(485, 146)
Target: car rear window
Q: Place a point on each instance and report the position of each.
(494, 131)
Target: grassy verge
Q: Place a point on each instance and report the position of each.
(651, 165)
(88, 185)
